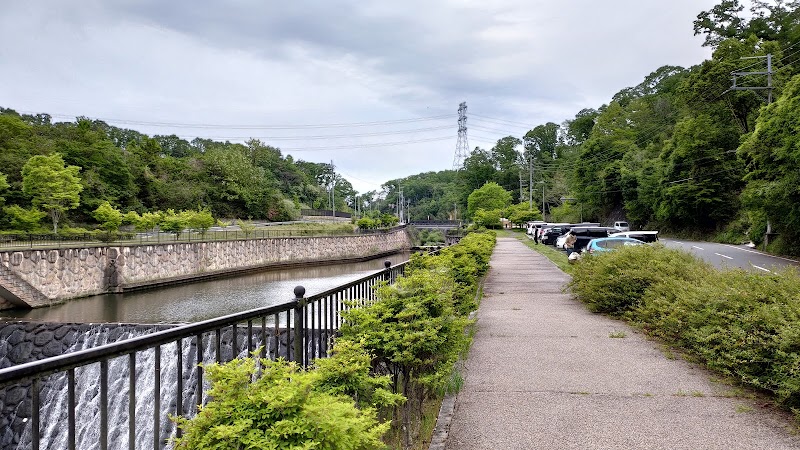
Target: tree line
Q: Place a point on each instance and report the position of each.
(67, 170)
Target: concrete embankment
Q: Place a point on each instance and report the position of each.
(36, 278)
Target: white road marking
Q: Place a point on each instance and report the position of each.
(699, 248)
(759, 253)
(678, 242)
(724, 256)
(761, 268)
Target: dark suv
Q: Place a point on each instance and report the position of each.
(551, 234)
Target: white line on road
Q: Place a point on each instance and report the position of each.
(759, 253)
(724, 256)
(761, 268)
(699, 248)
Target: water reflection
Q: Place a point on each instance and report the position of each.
(203, 300)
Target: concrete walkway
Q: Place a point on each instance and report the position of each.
(544, 373)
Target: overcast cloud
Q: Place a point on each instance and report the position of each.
(241, 67)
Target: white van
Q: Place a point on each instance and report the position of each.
(622, 226)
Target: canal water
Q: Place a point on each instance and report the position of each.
(203, 300)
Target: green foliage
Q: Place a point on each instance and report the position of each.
(487, 219)
(53, 187)
(3, 186)
(490, 196)
(346, 371)
(431, 237)
(172, 222)
(773, 187)
(247, 226)
(274, 405)
(521, 213)
(615, 282)
(26, 220)
(109, 217)
(743, 324)
(200, 220)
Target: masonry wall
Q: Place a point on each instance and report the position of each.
(71, 273)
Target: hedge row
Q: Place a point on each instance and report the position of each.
(743, 324)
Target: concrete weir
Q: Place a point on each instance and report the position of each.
(35, 278)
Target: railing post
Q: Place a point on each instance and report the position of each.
(299, 329)
(387, 275)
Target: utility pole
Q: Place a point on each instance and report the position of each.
(462, 147)
(530, 183)
(755, 90)
(333, 191)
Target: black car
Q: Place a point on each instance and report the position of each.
(551, 234)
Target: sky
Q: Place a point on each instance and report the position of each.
(372, 86)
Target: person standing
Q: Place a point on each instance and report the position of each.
(569, 244)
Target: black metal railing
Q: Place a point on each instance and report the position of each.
(46, 241)
(324, 213)
(135, 384)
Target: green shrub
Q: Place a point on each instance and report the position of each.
(274, 404)
(614, 282)
(743, 324)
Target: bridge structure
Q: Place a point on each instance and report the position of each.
(451, 228)
(442, 225)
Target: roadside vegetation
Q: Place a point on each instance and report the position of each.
(744, 325)
(382, 385)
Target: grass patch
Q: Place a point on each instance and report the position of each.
(617, 335)
(744, 409)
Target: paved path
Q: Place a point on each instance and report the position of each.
(544, 373)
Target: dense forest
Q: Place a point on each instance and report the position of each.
(682, 151)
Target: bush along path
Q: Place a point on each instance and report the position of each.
(389, 360)
(744, 325)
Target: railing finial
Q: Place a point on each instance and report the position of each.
(299, 291)
(387, 264)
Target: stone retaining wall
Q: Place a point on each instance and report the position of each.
(78, 272)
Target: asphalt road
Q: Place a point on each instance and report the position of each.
(726, 256)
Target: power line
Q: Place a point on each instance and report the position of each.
(357, 146)
(255, 127)
(331, 136)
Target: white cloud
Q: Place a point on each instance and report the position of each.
(299, 63)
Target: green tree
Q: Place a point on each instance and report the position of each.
(172, 222)
(52, 186)
(200, 220)
(487, 218)
(522, 213)
(110, 218)
(489, 196)
(772, 153)
(22, 219)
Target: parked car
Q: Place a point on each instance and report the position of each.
(586, 234)
(561, 239)
(608, 244)
(549, 235)
(647, 237)
(622, 226)
(531, 226)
